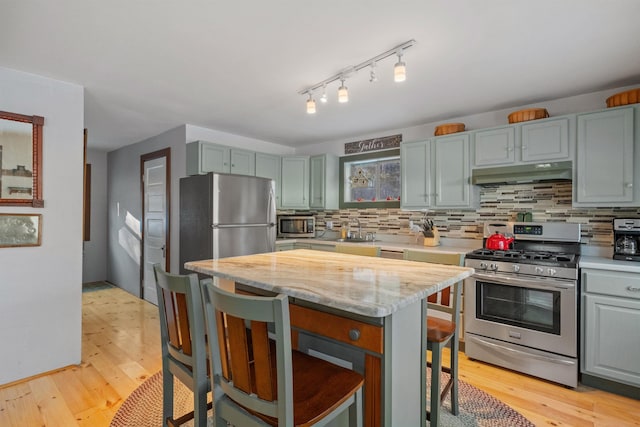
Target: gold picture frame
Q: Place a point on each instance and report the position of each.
(17, 230)
(21, 160)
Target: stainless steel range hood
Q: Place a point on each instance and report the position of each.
(536, 172)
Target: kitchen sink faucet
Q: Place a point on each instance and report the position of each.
(359, 236)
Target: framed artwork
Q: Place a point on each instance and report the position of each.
(20, 160)
(20, 230)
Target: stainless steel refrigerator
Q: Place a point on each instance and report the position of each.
(224, 215)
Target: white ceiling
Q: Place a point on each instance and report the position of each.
(237, 66)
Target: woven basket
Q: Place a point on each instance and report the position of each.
(448, 128)
(623, 98)
(528, 114)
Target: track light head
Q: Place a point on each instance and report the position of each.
(311, 105)
(343, 93)
(400, 69)
(324, 98)
(372, 74)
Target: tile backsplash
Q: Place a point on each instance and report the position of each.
(548, 201)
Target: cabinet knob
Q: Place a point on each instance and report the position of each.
(629, 288)
(524, 147)
(629, 184)
(354, 334)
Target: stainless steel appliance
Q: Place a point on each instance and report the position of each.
(296, 226)
(224, 215)
(521, 305)
(626, 237)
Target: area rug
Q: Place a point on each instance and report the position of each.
(143, 408)
(96, 286)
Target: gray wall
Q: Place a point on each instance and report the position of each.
(94, 251)
(125, 206)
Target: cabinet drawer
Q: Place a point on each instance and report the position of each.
(368, 337)
(614, 283)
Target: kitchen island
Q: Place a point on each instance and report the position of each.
(362, 310)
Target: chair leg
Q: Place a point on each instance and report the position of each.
(355, 410)
(454, 374)
(200, 405)
(436, 367)
(167, 396)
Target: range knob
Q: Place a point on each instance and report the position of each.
(483, 265)
(493, 266)
(516, 268)
(539, 270)
(551, 271)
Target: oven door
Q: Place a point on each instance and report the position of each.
(537, 312)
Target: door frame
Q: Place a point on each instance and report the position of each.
(166, 153)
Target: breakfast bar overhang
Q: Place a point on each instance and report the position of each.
(368, 303)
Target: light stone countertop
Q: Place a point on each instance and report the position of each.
(368, 286)
(601, 263)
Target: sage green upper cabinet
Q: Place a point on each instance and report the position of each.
(295, 182)
(546, 140)
(243, 162)
(494, 146)
(436, 173)
(323, 190)
(268, 166)
(204, 157)
(604, 174)
(527, 142)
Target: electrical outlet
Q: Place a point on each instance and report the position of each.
(329, 225)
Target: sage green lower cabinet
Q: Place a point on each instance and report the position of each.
(323, 190)
(284, 246)
(611, 325)
(204, 157)
(437, 173)
(608, 162)
(295, 182)
(268, 166)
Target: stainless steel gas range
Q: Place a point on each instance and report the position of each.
(521, 305)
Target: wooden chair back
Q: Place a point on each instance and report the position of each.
(182, 334)
(363, 249)
(442, 301)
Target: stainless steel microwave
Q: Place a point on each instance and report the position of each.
(296, 226)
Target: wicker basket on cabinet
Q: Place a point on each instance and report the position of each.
(623, 98)
(447, 128)
(528, 114)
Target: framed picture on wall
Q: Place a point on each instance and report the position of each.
(20, 230)
(20, 160)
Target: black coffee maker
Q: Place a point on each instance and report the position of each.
(626, 237)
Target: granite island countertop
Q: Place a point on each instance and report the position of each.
(368, 286)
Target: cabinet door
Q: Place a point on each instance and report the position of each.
(548, 140)
(268, 166)
(611, 340)
(415, 166)
(295, 182)
(452, 171)
(214, 158)
(243, 162)
(323, 176)
(605, 170)
(494, 146)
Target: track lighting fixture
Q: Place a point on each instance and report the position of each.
(399, 75)
(400, 69)
(343, 93)
(323, 98)
(311, 105)
(372, 74)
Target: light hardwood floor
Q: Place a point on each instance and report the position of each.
(121, 348)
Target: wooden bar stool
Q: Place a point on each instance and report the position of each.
(441, 331)
(265, 382)
(184, 352)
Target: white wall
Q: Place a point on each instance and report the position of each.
(558, 107)
(41, 287)
(94, 260)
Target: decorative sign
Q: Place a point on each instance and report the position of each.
(374, 144)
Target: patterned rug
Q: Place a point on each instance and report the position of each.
(143, 408)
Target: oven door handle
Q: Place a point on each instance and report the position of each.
(511, 279)
(521, 353)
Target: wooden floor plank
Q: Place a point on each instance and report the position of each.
(121, 348)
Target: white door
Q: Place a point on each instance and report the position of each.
(155, 217)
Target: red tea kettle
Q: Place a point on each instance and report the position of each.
(498, 242)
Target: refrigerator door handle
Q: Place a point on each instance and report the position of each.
(240, 225)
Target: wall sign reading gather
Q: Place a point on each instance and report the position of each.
(374, 144)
